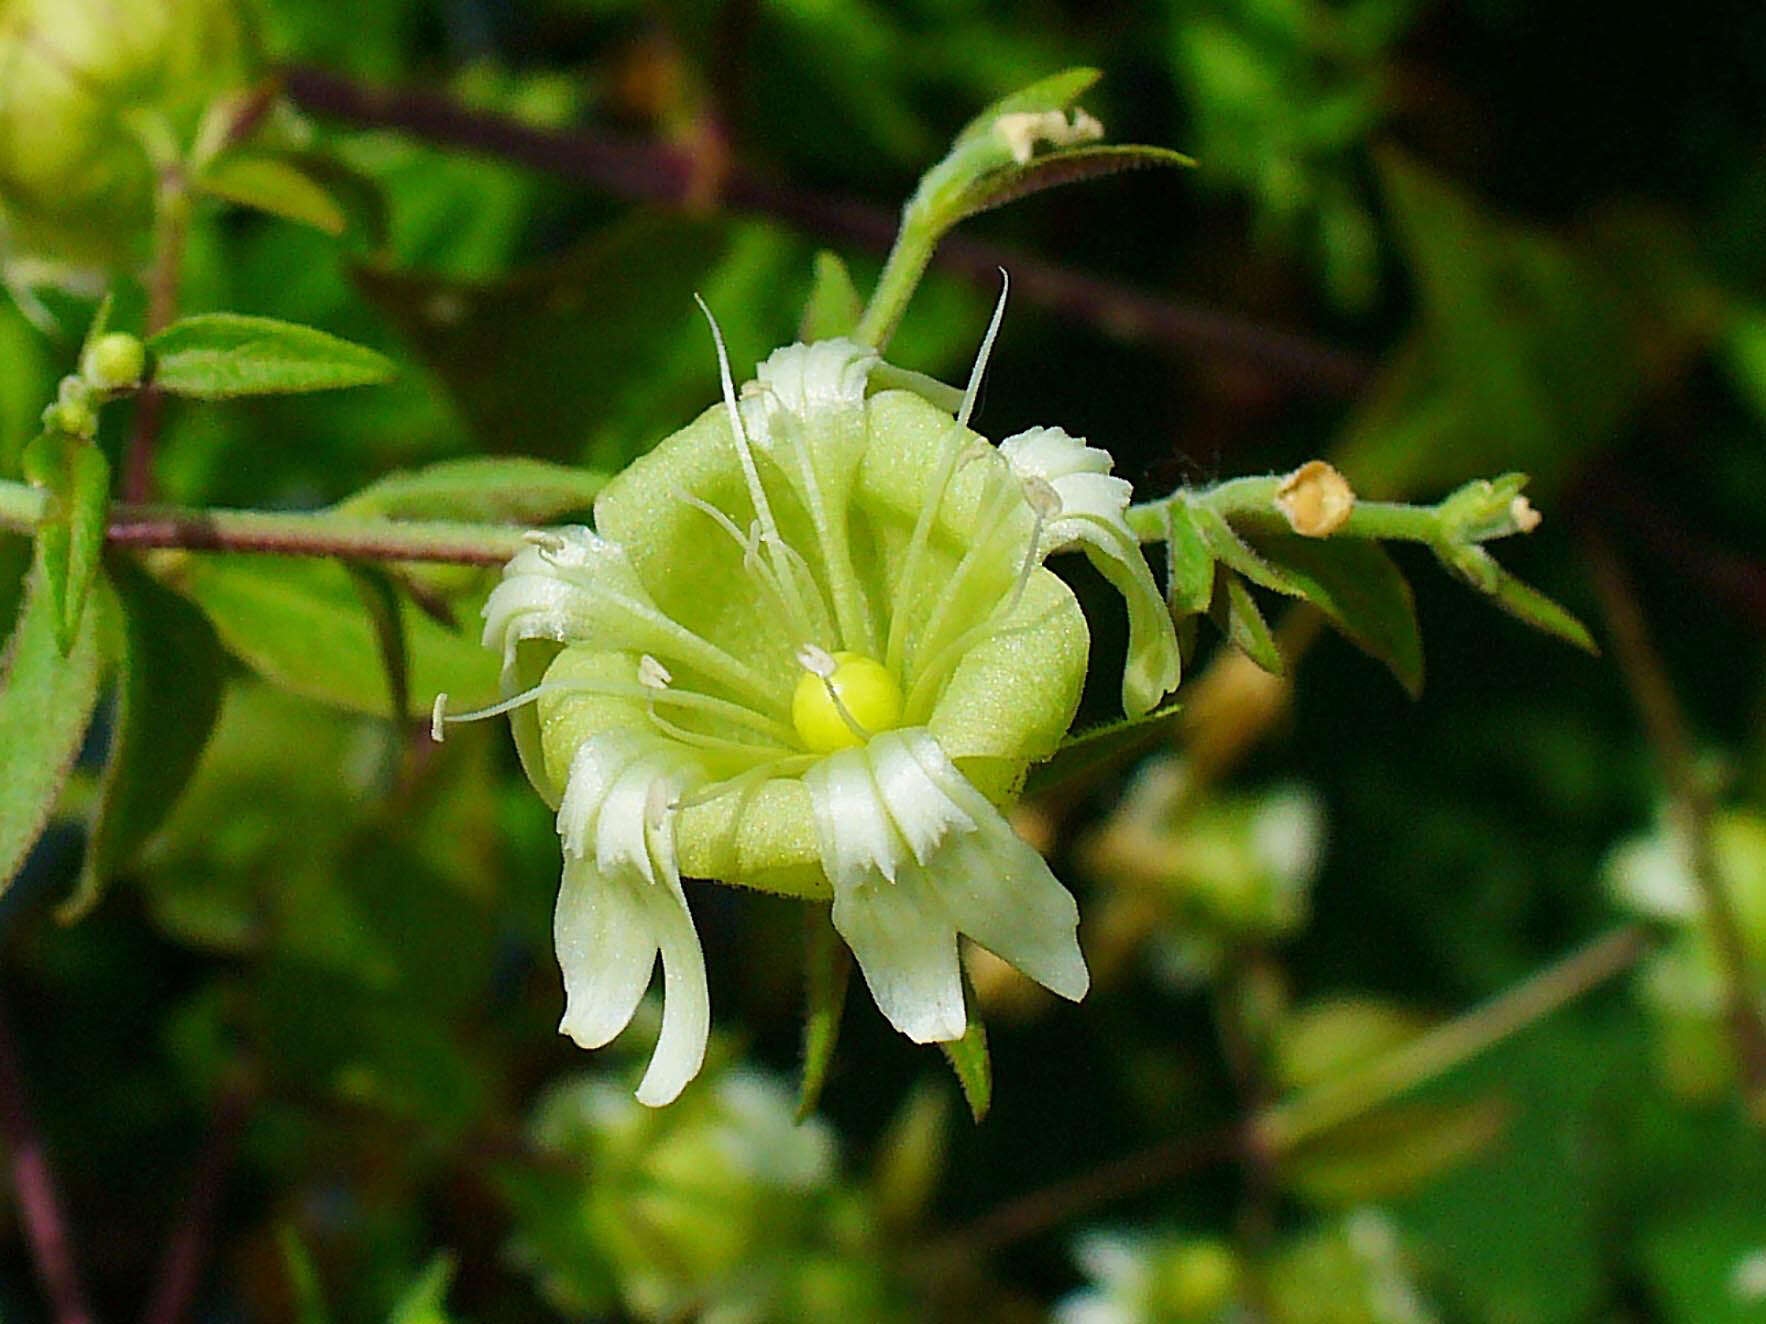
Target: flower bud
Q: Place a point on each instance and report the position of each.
(82, 83)
(114, 361)
(1316, 499)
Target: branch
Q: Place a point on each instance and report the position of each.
(641, 171)
(38, 1203)
(181, 1267)
(316, 533)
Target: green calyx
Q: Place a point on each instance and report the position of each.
(904, 574)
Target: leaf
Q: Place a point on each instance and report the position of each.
(380, 598)
(46, 702)
(274, 185)
(834, 306)
(222, 356)
(1526, 603)
(1237, 614)
(511, 489)
(1057, 91)
(300, 625)
(303, 1278)
(1100, 747)
(828, 966)
(1363, 592)
(424, 1302)
(1227, 547)
(1189, 565)
(76, 476)
(1071, 165)
(611, 309)
(969, 1059)
(170, 677)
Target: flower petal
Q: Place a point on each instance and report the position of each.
(998, 890)
(852, 826)
(686, 1002)
(606, 948)
(907, 949)
(594, 769)
(922, 813)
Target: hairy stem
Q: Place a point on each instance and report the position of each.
(317, 533)
(171, 230)
(1250, 503)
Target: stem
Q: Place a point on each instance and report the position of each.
(39, 1205)
(1250, 504)
(316, 533)
(650, 172)
(181, 1267)
(1430, 1055)
(1690, 807)
(1277, 1129)
(909, 256)
(171, 230)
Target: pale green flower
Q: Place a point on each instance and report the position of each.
(813, 653)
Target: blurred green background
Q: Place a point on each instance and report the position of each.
(313, 1025)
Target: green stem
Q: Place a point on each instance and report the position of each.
(1249, 503)
(1431, 1055)
(316, 533)
(908, 259)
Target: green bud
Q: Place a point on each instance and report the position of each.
(114, 361)
(83, 83)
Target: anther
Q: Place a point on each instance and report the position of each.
(1043, 498)
(437, 716)
(818, 661)
(652, 674)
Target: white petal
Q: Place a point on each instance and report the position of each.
(998, 890)
(907, 951)
(594, 769)
(622, 840)
(686, 1002)
(853, 832)
(807, 380)
(1154, 663)
(918, 807)
(606, 949)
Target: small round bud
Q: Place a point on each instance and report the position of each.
(1316, 499)
(114, 361)
(72, 415)
(865, 688)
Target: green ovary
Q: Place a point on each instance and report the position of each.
(864, 688)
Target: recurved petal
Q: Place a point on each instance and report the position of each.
(998, 890)
(594, 770)
(1154, 663)
(921, 811)
(853, 830)
(907, 950)
(686, 1002)
(606, 948)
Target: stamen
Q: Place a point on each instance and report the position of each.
(975, 373)
(763, 510)
(788, 766)
(544, 539)
(437, 715)
(817, 660)
(653, 674)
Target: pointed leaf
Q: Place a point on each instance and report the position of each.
(271, 184)
(76, 476)
(1071, 165)
(425, 1301)
(828, 965)
(46, 702)
(1393, 1150)
(170, 676)
(1058, 91)
(1526, 603)
(1189, 565)
(1100, 748)
(513, 489)
(834, 305)
(1237, 614)
(1227, 547)
(1363, 592)
(969, 1059)
(300, 625)
(221, 356)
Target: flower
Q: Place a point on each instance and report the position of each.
(810, 646)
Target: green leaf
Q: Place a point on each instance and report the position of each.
(1363, 592)
(1393, 1151)
(1526, 603)
(380, 598)
(611, 309)
(221, 356)
(1189, 565)
(46, 702)
(828, 966)
(303, 1278)
(424, 1302)
(76, 476)
(1232, 551)
(834, 305)
(510, 489)
(274, 185)
(301, 625)
(969, 1059)
(1057, 91)
(1102, 747)
(170, 677)
(1237, 614)
(1071, 165)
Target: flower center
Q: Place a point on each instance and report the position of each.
(854, 699)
